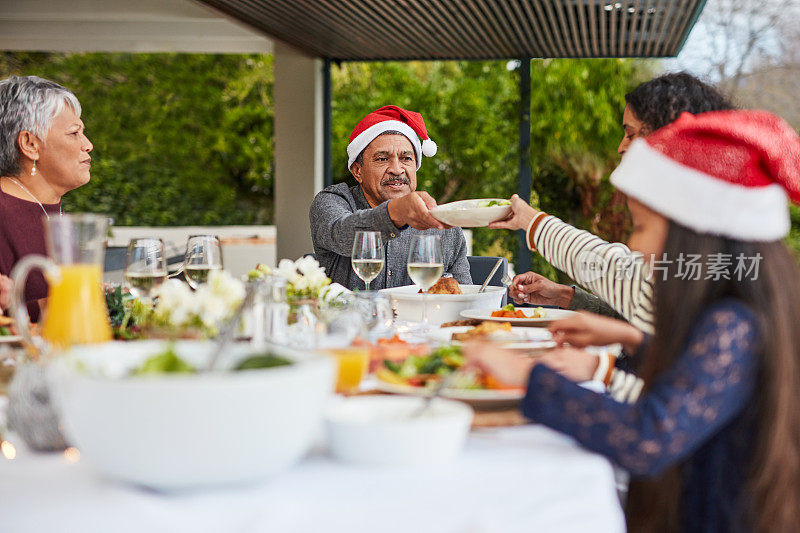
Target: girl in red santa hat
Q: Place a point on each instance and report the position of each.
(713, 441)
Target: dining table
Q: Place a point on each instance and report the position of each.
(507, 479)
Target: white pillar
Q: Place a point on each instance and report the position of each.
(298, 147)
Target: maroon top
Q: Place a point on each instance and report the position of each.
(21, 234)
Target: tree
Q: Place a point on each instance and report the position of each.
(735, 37)
(179, 139)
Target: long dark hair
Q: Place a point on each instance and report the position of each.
(660, 101)
(773, 492)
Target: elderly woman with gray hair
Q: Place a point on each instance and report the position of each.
(43, 155)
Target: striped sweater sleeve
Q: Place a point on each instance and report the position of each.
(610, 270)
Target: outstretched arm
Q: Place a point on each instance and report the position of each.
(709, 384)
(334, 224)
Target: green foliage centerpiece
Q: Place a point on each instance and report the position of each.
(178, 312)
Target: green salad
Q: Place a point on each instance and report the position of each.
(427, 371)
(492, 203)
(266, 360)
(441, 361)
(168, 362)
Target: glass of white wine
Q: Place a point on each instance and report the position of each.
(425, 266)
(367, 258)
(145, 267)
(203, 254)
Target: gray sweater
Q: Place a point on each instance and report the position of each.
(338, 211)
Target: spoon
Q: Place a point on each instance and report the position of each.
(489, 277)
(228, 331)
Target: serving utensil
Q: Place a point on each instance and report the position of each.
(228, 331)
(491, 273)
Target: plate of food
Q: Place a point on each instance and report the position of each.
(394, 349)
(499, 332)
(472, 213)
(518, 316)
(418, 375)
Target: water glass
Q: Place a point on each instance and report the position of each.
(270, 312)
(203, 254)
(145, 267)
(367, 257)
(342, 321)
(376, 313)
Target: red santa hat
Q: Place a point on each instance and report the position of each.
(391, 118)
(723, 172)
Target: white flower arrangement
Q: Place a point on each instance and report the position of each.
(206, 308)
(305, 278)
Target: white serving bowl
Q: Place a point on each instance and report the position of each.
(468, 214)
(380, 431)
(407, 302)
(174, 431)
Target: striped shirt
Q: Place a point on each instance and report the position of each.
(610, 270)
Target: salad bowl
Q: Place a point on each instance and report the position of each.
(173, 431)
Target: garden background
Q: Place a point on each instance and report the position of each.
(187, 139)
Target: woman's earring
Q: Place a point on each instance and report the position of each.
(33, 168)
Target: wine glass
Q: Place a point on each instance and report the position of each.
(367, 258)
(145, 267)
(425, 267)
(203, 254)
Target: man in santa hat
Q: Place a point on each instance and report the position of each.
(384, 153)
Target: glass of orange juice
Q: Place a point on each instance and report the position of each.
(353, 362)
(76, 308)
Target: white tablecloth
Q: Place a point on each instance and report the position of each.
(507, 480)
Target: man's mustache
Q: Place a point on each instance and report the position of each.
(403, 180)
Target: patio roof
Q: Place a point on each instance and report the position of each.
(471, 29)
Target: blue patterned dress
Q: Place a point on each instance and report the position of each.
(699, 414)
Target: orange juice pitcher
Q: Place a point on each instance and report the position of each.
(76, 310)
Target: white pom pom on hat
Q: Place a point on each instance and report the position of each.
(429, 148)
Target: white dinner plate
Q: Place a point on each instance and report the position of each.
(529, 338)
(550, 316)
(482, 399)
(467, 214)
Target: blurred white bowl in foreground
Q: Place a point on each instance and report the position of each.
(380, 431)
(179, 431)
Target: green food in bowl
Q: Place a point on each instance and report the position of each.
(266, 360)
(492, 203)
(166, 362)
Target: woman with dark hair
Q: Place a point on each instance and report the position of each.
(649, 106)
(660, 101)
(713, 442)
